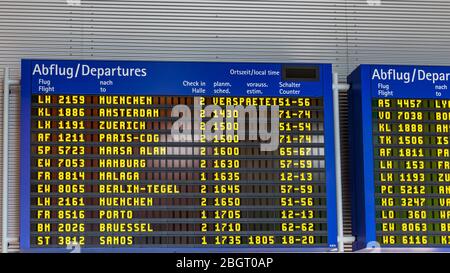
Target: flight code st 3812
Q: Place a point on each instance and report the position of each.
(224, 262)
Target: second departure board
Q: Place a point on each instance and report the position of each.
(176, 156)
(401, 148)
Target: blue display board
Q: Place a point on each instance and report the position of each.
(64, 91)
(399, 117)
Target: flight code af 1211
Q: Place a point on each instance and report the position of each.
(224, 263)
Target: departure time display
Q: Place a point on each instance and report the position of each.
(412, 170)
(400, 136)
(108, 170)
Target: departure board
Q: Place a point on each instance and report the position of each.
(401, 150)
(177, 156)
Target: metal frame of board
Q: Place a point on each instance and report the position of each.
(167, 74)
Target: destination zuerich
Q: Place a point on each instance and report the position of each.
(406, 77)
